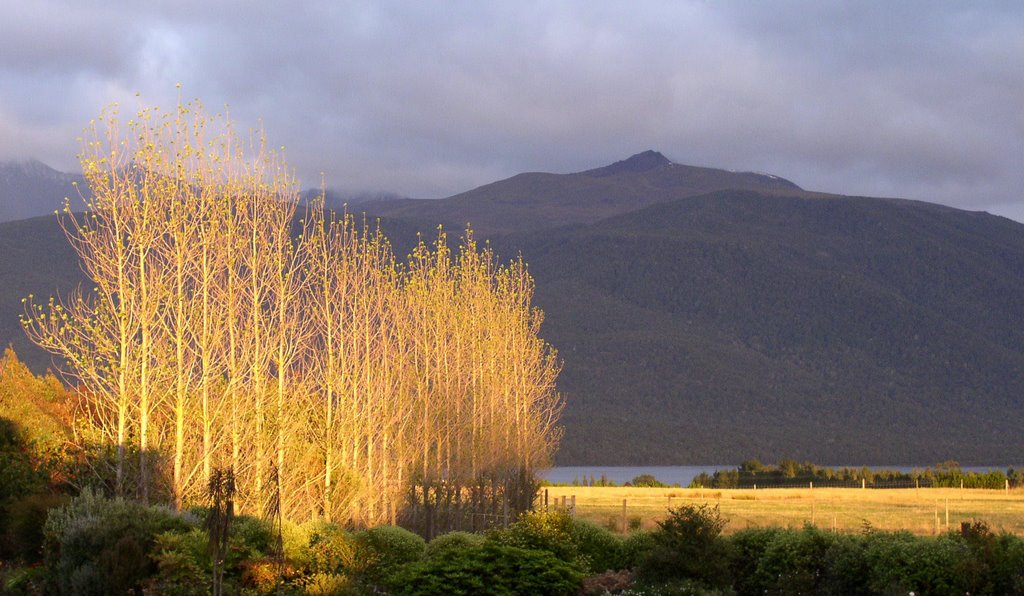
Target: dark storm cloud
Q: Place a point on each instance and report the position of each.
(913, 99)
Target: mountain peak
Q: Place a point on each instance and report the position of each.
(641, 162)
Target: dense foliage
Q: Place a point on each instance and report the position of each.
(688, 545)
(34, 460)
(99, 545)
(489, 569)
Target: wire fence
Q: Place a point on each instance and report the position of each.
(909, 506)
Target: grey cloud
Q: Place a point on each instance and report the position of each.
(424, 99)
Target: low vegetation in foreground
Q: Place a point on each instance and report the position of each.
(98, 545)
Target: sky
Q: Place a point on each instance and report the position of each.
(912, 99)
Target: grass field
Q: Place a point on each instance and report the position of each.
(921, 511)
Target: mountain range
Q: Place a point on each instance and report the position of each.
(31, 188)
(713, 316)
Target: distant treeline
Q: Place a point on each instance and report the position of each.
(643, 480)
(789, 473)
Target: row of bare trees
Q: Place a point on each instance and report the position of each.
(222, 329)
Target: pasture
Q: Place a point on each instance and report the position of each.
(921, 511)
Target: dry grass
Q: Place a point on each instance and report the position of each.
(844, 509)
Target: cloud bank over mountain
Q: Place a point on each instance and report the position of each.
(911, 100)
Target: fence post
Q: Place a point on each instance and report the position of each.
(863, 483)
(812, 485)
(545, 500)
(1007, 485)
(572, 511)
(625, 527)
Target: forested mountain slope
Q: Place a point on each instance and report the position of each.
(736, 324)
(709, 316)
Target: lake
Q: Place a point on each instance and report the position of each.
(683, 475)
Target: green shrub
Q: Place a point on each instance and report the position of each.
(846, 566)
(295, 539)
(95, 545)
(490, 569)
(22, 580)
(635, 547)
(795, 561)
(902, 562)
(597, 547)
(250, 538)
(331, 548)
(19, 474)
(381, 550)
(453, 541)
(748, 548)
(550, 531)
(327, 584)
(26, 518)
(183, 564)
(688, 545)
(1008, 565)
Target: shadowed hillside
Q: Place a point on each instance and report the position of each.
(758, 320)
(31, 188)
(37, 259)
(736, 324)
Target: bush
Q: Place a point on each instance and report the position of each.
(795, 561)
(295, 542)
(1008, 565)
(26, 518)
(688, 545)
(490, 569)
(635, 547)
(331, 549)
(19, 474)
(250, 538)
(453, 541)
(550, 531)
(22, 580)
(748, 548)
(381, 550)
(95, 545)
(846, 566)
(183, 564)
(902, 562)
(328, 584)
(598, 548)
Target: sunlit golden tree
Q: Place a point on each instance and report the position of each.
(334, 380)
